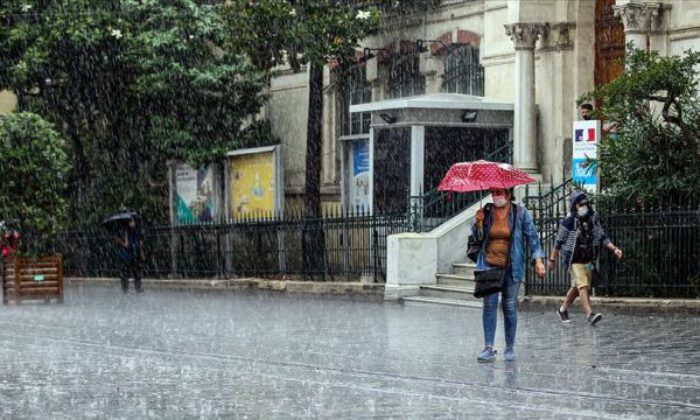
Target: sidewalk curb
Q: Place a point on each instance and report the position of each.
(232, 285)
(655, 304)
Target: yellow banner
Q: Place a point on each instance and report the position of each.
(252, 184)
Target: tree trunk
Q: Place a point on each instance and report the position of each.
(312, 194)
(314, 243)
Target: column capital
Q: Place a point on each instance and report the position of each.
(636, 16)
(525, 35)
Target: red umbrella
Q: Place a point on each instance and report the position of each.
(483, 175)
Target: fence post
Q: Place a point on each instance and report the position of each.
(219, 260)
(228, 247)
(345, 242)
(173, 251)
(282, 247)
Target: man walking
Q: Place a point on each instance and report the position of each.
(580, 235)
(130, 255)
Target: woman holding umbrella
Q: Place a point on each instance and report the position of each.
(504, 229)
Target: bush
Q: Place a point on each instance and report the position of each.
(34, 167)
(653, 159)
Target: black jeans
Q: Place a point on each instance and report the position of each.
(131, 268)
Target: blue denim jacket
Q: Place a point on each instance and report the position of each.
(524, 231)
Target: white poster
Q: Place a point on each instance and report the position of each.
(585, 154)
(194, 194)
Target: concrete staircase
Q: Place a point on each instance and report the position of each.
(454, 289)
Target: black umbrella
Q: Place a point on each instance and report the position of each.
(117, 219)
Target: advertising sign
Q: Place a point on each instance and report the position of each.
(194, 194)
(253, 186)
(359, 181)
(585, 150)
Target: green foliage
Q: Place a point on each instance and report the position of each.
(34, 167)
(131, 84)
(654, 157)
(276, 33)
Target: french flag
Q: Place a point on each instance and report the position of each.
(585, 134)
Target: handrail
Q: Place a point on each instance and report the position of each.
(427, 204)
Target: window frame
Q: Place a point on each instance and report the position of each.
(463, 72)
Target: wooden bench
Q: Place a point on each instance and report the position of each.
(32, 278)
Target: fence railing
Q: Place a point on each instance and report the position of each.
(328, 248)
(661, 252)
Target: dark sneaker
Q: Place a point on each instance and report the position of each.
(563, 316)
(487, 355)
(594, 318)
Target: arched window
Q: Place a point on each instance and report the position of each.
(405, 78)
(463, 73)
(354, 89)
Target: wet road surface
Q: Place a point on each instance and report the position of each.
(171, 354)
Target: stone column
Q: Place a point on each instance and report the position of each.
(524, 36)
(637, 17)
(417, 159)
(432, 68)
(374, 78)
(658, 37)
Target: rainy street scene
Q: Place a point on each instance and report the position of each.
(349, 209)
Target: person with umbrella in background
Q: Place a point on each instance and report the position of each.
(130, 247)
(499, 237)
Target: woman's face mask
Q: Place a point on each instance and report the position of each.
(500, 200)
(582, 211)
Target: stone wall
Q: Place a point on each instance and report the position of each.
(8, 102)
(564, 70)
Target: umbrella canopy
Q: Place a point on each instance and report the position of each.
(483, 175)
(121, 217)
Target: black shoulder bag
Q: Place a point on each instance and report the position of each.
(490, 281)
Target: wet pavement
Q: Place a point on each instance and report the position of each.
(171, 354)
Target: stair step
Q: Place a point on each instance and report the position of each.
(424, 300)
(464, 268)
(447, 292)
(458, 280)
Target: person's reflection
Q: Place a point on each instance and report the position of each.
(511, 381)
(488, 373)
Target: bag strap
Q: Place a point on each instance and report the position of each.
(487, 213)
(514, 209)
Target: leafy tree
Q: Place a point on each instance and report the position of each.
(296, 33)
(654, 157)
(34, 167)
(132, 84)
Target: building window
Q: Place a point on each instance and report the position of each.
(405, 78)
(354, 89)
(463, 73)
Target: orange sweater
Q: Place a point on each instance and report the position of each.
(499, 242)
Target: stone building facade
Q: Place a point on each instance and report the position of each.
(538, 56)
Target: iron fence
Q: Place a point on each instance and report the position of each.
(333, 247)
(662, 256)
